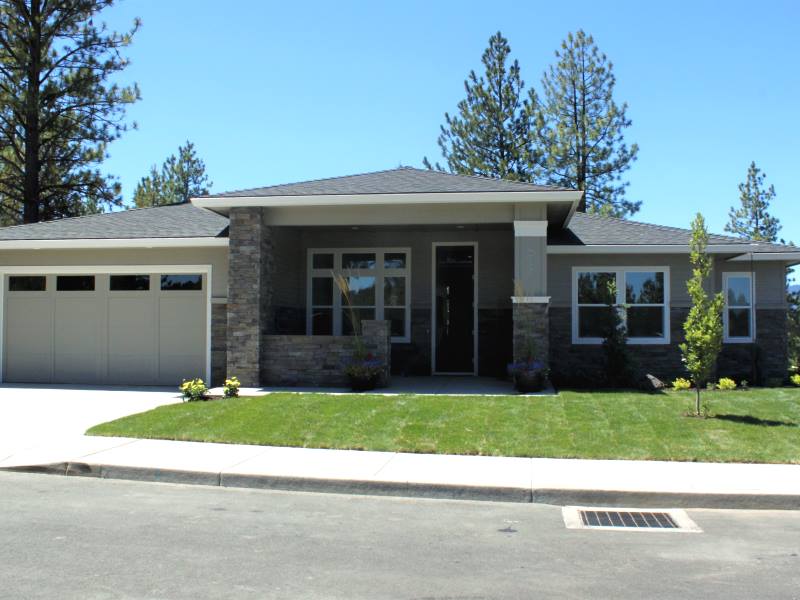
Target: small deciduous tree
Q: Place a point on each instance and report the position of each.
(181, 178)
(703, 326)
(492, 133)
(752, 219)
(619, 370)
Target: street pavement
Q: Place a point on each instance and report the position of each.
(65, 537)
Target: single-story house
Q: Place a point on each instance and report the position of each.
(450, 274)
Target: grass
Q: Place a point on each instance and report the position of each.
(758, 425)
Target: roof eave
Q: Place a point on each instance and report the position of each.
(93, 243)
(644, 249)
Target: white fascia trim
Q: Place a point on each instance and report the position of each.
(530, 299)
(530, 228)
(379, 199)
(792, 257)
(113, 243)
(641, 249)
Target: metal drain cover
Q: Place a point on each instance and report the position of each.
(628, 519)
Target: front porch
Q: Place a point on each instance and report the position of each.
(444, 292)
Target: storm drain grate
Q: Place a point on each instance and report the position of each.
(628, 519)
(606, 518)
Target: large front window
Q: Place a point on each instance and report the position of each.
(738, 316)
(378, 284)
(642, 294)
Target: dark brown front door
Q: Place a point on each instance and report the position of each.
(455, 309)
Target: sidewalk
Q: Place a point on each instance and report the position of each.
(553, 481)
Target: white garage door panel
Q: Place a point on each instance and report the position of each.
(132, 339)
(77, 338)
(29, 338)
(182, 342)
(143, 337)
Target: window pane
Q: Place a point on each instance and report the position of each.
(397, 321)
(322, 321)
(394, 260)
(394, 291)
(645, 322)
(362, 291)
(593, 288)
(738, 291)
(37, 283)
(75, 283)
(644, 288)
(322, 291)
(593, 321)
(181, 282)
(122, 283)
(361, 314)
(322, 261)
(739, 322)
(363, 260)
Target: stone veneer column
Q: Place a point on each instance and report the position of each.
(249, 293)
(530, 301)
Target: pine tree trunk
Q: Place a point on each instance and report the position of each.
(31, 188)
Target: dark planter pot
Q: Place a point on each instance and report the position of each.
(363, 383)
(526, 382)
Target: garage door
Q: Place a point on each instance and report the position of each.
(105, 328)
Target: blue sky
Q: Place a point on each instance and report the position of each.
(274, 92)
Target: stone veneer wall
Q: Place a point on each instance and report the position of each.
(219, 343)
(531, 329)
(250, 275)
(319, 360)
(583, 365)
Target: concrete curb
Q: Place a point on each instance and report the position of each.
(422, 490)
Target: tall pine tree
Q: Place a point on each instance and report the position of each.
(581, 128)
(59, 109)
(181, 178)
(752, 219)
(492, 133)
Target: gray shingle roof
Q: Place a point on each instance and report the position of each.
(585, 229)
(173, 221)
(404, 180)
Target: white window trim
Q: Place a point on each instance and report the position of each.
(752, 278)
(379, 272)
(620, 273)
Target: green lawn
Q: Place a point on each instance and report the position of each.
(745, 426)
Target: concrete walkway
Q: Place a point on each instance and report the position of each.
(555, 481)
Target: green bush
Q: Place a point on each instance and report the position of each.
(726, 383)
(681, 384)
(194, 390)
(795, 379)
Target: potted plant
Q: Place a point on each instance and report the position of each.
(364, 371)
(529, 375)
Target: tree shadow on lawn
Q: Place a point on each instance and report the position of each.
(750, 420)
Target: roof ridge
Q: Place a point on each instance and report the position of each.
(522, 184)
(99, 214)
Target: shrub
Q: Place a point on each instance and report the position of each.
(795, 379)
(681, 384)
(726, 383)
(231, 388)
(194, 390)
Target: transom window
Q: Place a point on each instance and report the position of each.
(643, 291)
(378, 281)
(738, 316)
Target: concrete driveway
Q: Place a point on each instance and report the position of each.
(42, 419)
